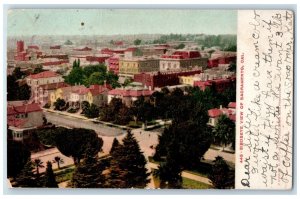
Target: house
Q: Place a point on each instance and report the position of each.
(129, 94)
(42, 93)
(64, 93)
(215, 113)
(23, 118)
(46, 77)
(98, 94)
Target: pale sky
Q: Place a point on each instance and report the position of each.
(27, 22)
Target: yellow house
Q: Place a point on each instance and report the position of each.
(97, 95)
(189, 80)
(64, 93)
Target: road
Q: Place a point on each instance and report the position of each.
(74, 122)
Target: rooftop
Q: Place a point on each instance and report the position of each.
(45, 74)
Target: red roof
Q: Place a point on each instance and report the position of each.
(27, 108)
(130, 93)
(45, 74)
(53, 86)
(232, 105)
(98, 89)
(214, 112)
(232, 117)
(16, 122)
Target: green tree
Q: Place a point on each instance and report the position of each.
(137, 42)
(88, 173)
(109, 112)
(74, 142)
(169, 172)
(27, 178)
(180, 46)
(123, 116)
(18, 74)
(76, 76)
(130, 163)
(232, 67)
(112, 79)
(92, 111)
(38, 69)
(85, 105)
(49, 177)
(24, 92)
(76, 63)
(68, 42)
(17, 156)
(58, 160)
(38, 164)
(224, 131)
(59, 104)
(221, 175)
(95, 78)
(114, 146)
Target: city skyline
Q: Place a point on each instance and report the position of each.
(29, 22)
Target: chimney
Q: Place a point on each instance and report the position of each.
(221, 106)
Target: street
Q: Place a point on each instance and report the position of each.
(74, 122)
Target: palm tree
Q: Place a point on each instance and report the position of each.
(38, 164)
(224, 131)
(58, 160)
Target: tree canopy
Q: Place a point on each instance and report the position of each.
(27, 178)
(16, 91)
(128, 165)
(221, 176)
(89, 172)
(49, 178)
(92, 74)
(17, 156)
(224, 131)
(137, 42)
(74, 142)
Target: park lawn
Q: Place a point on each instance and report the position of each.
(64, 175)
(193, 184)
(186, 183)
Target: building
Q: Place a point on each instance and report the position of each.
(95, 94)
(220, 84)
(215, 113)
(182, 60)
(135, 65)
(43, 92)
(64, 93)
(221, 61)
(129, 94)
(46, 77)
(113, 64)
(23, 118)
(159, 79)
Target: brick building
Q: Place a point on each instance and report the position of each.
(159, 80)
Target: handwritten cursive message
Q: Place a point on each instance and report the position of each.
(265, 99)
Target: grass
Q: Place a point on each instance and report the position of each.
(202, 169)
(64, 175)
(192, 184)
(186, 183)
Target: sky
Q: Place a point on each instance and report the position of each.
(28, 22)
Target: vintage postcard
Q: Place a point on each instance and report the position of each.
(150, 98)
